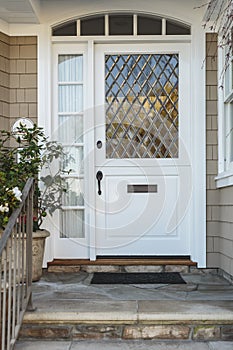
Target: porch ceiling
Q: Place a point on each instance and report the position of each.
(19, 11)
(34, 11)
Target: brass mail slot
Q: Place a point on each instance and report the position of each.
(142, 188)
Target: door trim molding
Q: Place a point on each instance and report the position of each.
(198, 239)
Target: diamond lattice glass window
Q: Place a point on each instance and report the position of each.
(141, 92)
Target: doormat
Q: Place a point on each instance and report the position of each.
(137, 278)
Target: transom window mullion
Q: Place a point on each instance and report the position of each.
(135, 25)
(106, 25)
(78, 27)
(164, 26)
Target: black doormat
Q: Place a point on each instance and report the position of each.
(137, 278)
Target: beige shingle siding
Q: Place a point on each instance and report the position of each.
(23, 79)
(212, 151)
(4, 81)
(219, 202)
(226, 229)
(18, 79)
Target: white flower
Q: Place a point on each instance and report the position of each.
(17, 193)
(4, 209)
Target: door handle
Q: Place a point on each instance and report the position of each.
(99, 177)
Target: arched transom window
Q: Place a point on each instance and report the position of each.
(121, 24)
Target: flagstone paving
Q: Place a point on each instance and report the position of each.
(70, 309)
(76, 286)
(122, 345)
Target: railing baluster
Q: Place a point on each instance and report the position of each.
(14, 283)
(22, 241)
(1, 299)
(9, 249)
(16, 269)
(18, 273)
(29, 230)
(4, 255)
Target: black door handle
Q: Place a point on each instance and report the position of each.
(99, 177)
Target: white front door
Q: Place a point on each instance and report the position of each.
(123, 112)
(142, 146)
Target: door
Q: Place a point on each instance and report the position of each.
(142, 149)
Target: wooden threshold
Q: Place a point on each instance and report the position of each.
(122, 262)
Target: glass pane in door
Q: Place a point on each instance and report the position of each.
(70, 125)
(141, 94)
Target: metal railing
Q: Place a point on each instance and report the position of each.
(16, 269)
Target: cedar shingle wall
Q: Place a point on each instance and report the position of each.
(4, 81)
(23, 78)
(212, 151)
(18, 79)
(225, 240)
(219, 201)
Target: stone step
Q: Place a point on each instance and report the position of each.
(145, 319)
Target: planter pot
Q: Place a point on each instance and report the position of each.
(38, 245)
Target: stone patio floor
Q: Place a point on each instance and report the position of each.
(67, 296)
(122, 345)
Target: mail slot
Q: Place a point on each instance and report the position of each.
(142, 188)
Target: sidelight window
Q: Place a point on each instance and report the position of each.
(70, 126)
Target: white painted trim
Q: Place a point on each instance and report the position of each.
(90, 163)
(135, 28)
(44, 111)
(221, 119)
(225, 171)
(164, 26)
(4, 27)
(19, 29)
(165, 11)
(198, 138)
(78, 27)
(122, 39)
(26, 29)
(44, 80)
(106, 28)
(36, 6)
(224, 179)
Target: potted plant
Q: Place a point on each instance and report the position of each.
(26, 152)
(48, 198)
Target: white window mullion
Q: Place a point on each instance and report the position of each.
(78, 27)
(106, 25)
(164, 26)
(135, 25)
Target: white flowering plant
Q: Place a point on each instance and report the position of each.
(24, 153)
(9, 199)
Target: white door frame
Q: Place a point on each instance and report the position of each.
(197, 85)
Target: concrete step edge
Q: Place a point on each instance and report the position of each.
(126, 317)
